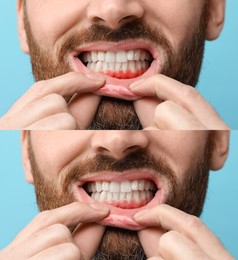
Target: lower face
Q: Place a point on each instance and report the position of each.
(163, 172)
(148, 51)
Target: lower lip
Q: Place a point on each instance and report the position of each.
(120, 217)
(114, 87)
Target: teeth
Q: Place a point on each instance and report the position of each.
(101, 56)
(114, 187)
(134, 60)
(106, 186)
(121, 56)
(135, 185)
(110, 56)
(138, 191)
(130, 55)
(125, 186)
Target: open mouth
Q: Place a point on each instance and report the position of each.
(122, 63)
(126, 195)
(118, 64)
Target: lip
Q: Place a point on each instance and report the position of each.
(118, 88)
(119, 217)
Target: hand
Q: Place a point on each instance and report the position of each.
(183, 108)
(43, 106)
(48, 235)
(173, 234)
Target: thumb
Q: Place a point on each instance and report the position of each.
(149, 239)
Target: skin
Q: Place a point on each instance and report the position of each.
(52, 112)
(54, 224)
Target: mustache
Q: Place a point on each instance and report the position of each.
(136, 29)
(137, 160)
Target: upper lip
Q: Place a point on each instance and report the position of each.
(118, 46)
(122, 176)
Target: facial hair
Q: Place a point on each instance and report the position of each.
(183, 65)
(188, 195)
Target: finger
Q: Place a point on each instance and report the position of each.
(174, 245)
(65, 85)
(166, 88)
(70, 215)
(192, 227)
(170, 115)
(145, 108)
(149, 239)
(67, 251)
(62, 121)
(84, 108)
(88, 232)
(37, 110)
(43, 239)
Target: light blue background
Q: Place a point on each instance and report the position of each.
(218, 83)
(18, 206)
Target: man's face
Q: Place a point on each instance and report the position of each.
(128, 170)
(125, 40)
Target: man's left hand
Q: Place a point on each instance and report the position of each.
(173, 234)
(175, 106)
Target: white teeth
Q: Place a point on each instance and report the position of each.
(110, 56)
(114, 186)
(111, 66)
(128, 196)
(105, 66)
(137, 55)
(121, 56)
(136, 195)
(122, 196)
(106, 186)
(101, 56)
(130, 55)
(118, 66)
(94, 56)
(103, 196)
(132, 66)
(132, 60)
(124, 66)
(125, 186)
(141, 185)
(126, 191)
(98, 66)
(115, 196)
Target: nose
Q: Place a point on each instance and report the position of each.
(114, 13)
(118, 144)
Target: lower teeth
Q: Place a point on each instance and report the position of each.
(136, 197)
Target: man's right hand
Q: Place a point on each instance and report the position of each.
(48, 236)
(43, 106)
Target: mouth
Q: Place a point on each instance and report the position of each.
(121, 63)
(124, 196)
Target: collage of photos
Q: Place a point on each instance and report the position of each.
(118, 130)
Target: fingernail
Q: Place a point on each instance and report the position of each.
(136, 84)
(140, 214)
(96, 77)
(100, 207)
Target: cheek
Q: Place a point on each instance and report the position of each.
(181, 149)
(54, 150)
(51, 19)
(176, 18)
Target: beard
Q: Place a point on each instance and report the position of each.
(183, 65)
(187, 195)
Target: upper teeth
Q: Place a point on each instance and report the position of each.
(125, 186)
(120, 56)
